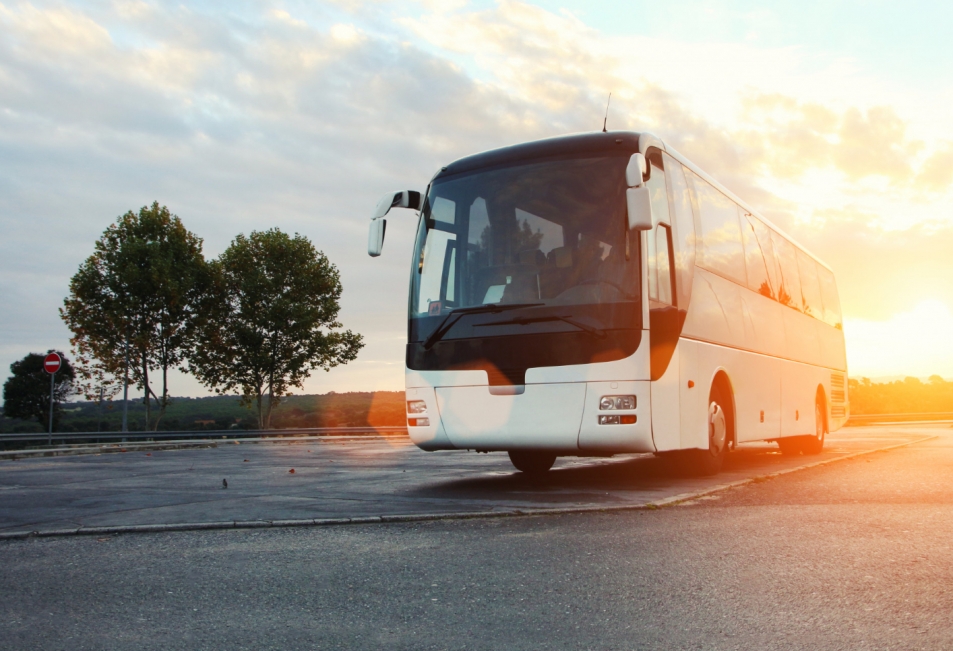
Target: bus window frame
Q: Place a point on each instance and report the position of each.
(806, 263)
(702, 253)
(793, 292)
(749, 238)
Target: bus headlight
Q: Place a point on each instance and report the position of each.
(416, 407)
(616, 402)
(624, 419)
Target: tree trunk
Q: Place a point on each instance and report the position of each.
(271, 402)
(146, 390)
(261, 421)
(164, 402)
(271, 378)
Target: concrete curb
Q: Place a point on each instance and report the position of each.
(430, 517)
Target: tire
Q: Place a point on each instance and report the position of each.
(810, 444)
(710, 461)
(790, 446)
(814, 444)
(532, 463)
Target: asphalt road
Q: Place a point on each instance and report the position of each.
(852, 555)
(341, 479)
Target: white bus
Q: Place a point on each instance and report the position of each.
(599, 294)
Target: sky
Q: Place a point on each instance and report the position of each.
(831, 118)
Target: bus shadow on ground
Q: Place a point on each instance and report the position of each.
(639, 473)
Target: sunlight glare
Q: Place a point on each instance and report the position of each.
(917, 343)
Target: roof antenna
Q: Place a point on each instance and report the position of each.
(607, 114)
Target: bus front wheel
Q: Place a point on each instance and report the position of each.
(531, 462)
(710, 461)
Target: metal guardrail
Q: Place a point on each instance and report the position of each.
(201, 434)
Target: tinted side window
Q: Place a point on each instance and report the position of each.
(767, 248)
(790, 292)
(754, 261)
(440, 250)
(683, 237)
(722, 251)
(829, 295)
(443, 210)
(810, 288)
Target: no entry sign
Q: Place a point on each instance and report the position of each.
(52, 363)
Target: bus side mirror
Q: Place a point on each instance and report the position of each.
(639, 206)
(375, 236)
(637, 201)
(635, 171)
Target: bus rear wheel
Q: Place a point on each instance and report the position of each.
(790, 445)
(531, 462)
(814, 444)
(810, 443)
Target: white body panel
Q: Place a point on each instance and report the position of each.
(666, 412)
(545, 416)
(771, 355)
(558, 409)
(637, 437)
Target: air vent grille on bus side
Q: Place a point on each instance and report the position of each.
(837, 389)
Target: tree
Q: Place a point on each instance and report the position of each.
(94, 381)
(272, 319)
(26, 393)
(139, 292)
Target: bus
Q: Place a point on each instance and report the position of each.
(599, 294)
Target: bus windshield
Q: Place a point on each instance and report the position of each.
(543, 234)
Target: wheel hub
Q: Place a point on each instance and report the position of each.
(717, 429)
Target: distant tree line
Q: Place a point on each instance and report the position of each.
(907, 396)
(257, 320)
(353, 409)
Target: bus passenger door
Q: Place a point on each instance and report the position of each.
(666, 414)
(665, 325)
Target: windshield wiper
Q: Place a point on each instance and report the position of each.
(524, 320)
(454, 315)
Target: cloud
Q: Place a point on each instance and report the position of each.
(882, 272)
(790, 137)
(52, 33)
(936, 173)
(296, 126)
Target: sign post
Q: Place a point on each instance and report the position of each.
(51, 365)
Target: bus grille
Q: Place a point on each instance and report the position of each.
(837, 391)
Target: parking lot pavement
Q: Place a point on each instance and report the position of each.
(292, 480)
(851, 555)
